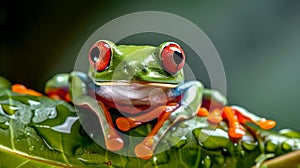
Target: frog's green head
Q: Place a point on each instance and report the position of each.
(160, 65)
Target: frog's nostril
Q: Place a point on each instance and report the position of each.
(144, 70)
(95, 53)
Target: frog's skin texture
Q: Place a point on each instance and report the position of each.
(34, 133)
(144, 83)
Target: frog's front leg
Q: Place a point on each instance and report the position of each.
(113, 141)
(77, 86)
(191, 93)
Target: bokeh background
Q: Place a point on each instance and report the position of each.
(258, 42)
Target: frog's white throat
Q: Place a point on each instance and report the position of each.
(136, 92)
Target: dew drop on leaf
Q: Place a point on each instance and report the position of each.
(4, 125)
(8, 109)
(43, 114)
(42, 148)
(31, 148)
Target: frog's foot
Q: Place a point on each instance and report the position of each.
(113, 140)
(144, 150)
(236, 118)
(236, 130)
(245, 116)
(18, 88)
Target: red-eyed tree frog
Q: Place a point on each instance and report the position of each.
(144, 83)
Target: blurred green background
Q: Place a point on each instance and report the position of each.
(258, 42)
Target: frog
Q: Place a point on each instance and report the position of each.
(144, 83)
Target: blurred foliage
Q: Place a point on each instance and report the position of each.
(257, 41)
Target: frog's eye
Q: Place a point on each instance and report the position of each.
(172, 57)
(100, 55)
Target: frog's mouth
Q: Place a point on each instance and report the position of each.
(140, 84)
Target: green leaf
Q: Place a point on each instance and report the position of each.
(39, 141)
(41, 132)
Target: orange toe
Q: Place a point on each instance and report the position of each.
(142, 151)
(123, 124)
(236, 133)
(202, 112)
(114, 144)
(18, 88)
(266, 124)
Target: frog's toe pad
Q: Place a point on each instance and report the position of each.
(114, 144)
(236, 133)
(123, 124)
(143, 151)
(266, 124)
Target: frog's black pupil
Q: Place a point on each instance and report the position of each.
(177, 57)
(95, 54)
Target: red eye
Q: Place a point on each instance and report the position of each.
(100, 56)
(172, 57)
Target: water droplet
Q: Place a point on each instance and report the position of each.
(161, 158)
(31, 148)
(26, 134)
(4, 125)
(66, 126)
(249, 145)
(206, 162)
(285, 146)
(180, 144)
(33, 103)
(270, 146)
(43, 114)
(24, 114)
(8, 109)
(92, 158)
(21, 137)
(42, 148)
(242, 152)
